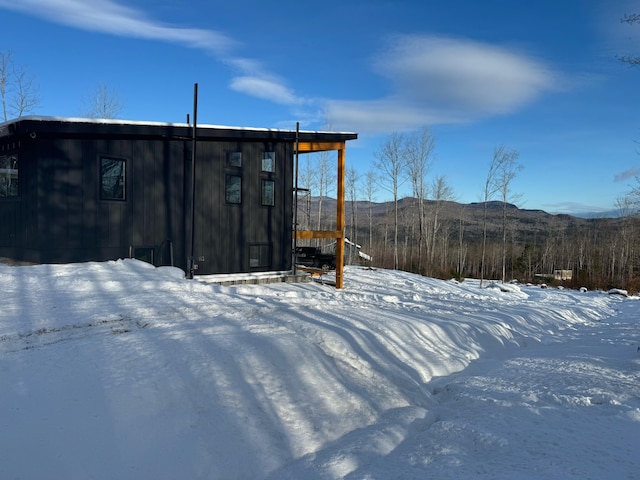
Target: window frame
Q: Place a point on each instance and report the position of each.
(234, 159)
(124, 176)
(268, 164)
(264, 192)
(228, 200)
(264, 257)
(8, 175)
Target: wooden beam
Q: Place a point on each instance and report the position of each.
(308, 147)
(338, 234)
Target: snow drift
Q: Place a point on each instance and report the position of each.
(123, 370)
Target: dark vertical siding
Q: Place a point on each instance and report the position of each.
(11, 209)
(91, 233)
(225, 232)
(209, 198)
(60, 216)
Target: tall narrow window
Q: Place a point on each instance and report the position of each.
(112, 178)
(268, 193)
(8, 176)
(233, 189)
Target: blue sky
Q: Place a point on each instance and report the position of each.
(540, 77)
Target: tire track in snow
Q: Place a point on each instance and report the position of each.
(42, 337)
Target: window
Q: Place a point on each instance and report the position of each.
(268, 192)
(146, 254)
(112, 178)
(259, 256)
(234, 159)
(8, 176)
(269, 161)
(233, 189)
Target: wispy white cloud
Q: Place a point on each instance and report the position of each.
(462, 74)
(432, 80)
(392, 114)
(627, 174)
(444, 80)
(265, 88)
(109, 17)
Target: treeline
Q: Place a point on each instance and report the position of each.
(602, 253)
(430, 234)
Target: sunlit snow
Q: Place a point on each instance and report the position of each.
(119, 370)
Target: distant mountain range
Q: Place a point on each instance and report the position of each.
(523, 223)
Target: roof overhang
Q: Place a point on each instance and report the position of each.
(310, 141)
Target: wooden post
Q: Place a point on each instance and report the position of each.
(340, 219)
(338, 233)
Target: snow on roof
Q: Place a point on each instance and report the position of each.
(111, 121)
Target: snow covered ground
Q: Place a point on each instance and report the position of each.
(119, 370)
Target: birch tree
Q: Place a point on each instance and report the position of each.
(369, 195)
(18, 89)
(489, 191)
(325, 179)
(305, 182)
(391, 165)
(103, 102)
(441, 192)
(507, 169)
(351, 187)
(419, 149)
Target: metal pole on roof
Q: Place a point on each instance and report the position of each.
(295, 202)
(192, 265)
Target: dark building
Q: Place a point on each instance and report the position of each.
(75, 190)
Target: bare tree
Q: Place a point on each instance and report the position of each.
(18, 90)
(489, 191)
(419, 149)
(325, 179)
(633, 198)
(305, 181)
(507, 169)
(391, 163)
(369, 193)
(351, 187)
(632, 60)
(103, 102)
(462, 249)
(628, 234)
(441, 193)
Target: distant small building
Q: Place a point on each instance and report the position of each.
(76, 190)
(562, 275)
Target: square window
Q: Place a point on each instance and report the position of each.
(259, 256)
(234, 159)
(233, 189)
(8, 176)
(112, 178)
(146, 254)
(269, 161)
(268, 192)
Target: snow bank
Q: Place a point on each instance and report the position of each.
(122, 370)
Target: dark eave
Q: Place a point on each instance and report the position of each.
(56, 126)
